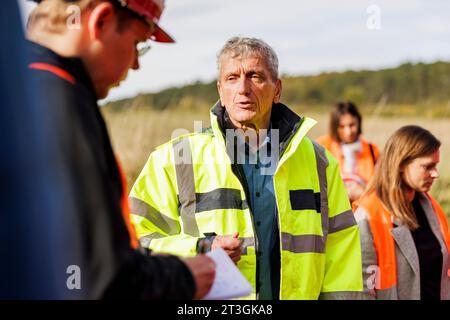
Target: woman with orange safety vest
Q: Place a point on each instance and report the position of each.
(356, 156)
(405, 239)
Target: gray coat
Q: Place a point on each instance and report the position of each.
(408, 269)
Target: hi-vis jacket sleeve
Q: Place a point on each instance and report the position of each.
(343, 275)
(154, 207)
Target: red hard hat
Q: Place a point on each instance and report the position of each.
(151, 10)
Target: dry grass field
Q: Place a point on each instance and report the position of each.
(137, 131)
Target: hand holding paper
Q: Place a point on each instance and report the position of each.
(229, 281)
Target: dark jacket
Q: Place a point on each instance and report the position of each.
(93, 233)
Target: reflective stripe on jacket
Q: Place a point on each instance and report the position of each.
(390, 262)
(188, 189)
(365, 161)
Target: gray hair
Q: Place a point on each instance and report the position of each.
(244, 47)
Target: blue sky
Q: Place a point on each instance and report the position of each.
(309, 36)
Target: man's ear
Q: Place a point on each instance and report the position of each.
(278, 89)
(101, 17)
(220, 92)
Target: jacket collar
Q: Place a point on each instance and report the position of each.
(282, 118)
(405, 242)
(73, 65)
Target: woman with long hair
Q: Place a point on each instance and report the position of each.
(356, 156)
(404, 232)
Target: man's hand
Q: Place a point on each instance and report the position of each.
(203, 270)
(230, 244)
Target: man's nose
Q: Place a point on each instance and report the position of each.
(243, 86)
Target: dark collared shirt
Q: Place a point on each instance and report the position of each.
(262, 197)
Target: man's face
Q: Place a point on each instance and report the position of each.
(348, 128)
(247, 91)
(118, 55)
(420, 174)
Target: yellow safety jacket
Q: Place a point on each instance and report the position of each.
(189, 188)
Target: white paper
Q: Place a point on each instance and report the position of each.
(229, 282)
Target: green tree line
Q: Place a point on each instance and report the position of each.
(407, 84)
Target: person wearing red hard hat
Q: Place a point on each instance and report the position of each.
(150, 10)
(80, 50)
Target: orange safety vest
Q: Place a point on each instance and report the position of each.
(126, 212)
(365, 159)
(124, 197)
(380, 225)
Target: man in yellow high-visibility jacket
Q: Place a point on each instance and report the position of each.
(256, 186)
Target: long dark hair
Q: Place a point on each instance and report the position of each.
(338, 111)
